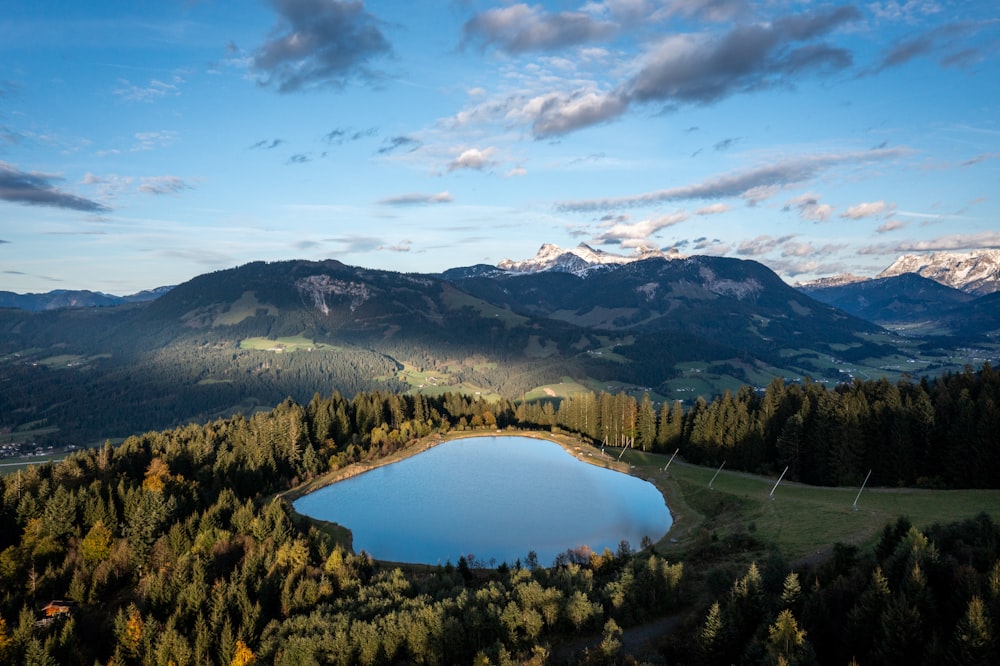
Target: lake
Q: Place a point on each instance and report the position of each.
(495, 498)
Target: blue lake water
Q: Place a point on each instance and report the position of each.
(492, 497)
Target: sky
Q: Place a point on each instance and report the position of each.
(144, 142)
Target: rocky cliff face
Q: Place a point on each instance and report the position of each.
(316, 288)
(831, 281)
(579, 260)
(976, 272)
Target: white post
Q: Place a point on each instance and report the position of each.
(670, 461)
(777, 482)
(717, 473)
(860, 491)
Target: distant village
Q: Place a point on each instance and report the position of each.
(10, 448)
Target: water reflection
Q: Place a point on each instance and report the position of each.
(493, 497)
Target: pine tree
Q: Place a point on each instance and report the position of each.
(973, 641)
(5, 640)
(786, 640)
(646, 425)
(791, 590)
(710, 635)
(611, 642)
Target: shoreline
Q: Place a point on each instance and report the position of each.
(578, 448)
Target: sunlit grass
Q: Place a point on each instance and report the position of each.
(801, 519)
(286, 344)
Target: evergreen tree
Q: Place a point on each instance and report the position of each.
(973, 641)
(787, 642)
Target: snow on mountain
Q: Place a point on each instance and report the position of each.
(579, 260)
(830, 281)
(976, 272)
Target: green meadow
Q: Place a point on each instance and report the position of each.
(286, 344)
(801, 520)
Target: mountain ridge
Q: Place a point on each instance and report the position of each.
(74, 298)
(976, 272)
(252, 335)
(580, 259)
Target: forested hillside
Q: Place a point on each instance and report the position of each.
(922, 597)
(172, 546)
(246, 338)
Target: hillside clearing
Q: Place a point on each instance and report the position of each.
(801, 520)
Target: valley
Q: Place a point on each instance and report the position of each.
(244, 339)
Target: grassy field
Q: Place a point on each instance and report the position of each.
(244, 308)
(564, 389)
(457, 300)
(802, 520)
(288, 344)
(438, 382)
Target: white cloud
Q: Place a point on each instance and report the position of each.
(402, 246)
(809, 207)
(760, 245)
(892, 225)
(319, 44)
(754, 184)
(560, 114)
(416, 199)
(713, 209)
(983, 240)
(868, 209)
(108, 186)
(473, 158)
(151, 140)
(520, 28)
(797, 250)
(637, 233)
(162, 185)
(154, 90)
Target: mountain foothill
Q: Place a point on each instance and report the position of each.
(244, 339)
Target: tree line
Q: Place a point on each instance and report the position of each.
(938, 433)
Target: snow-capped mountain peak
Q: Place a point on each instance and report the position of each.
(976, 272)
(830, 281)
(580, 259)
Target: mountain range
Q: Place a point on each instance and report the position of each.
(676, 327)
(976, 272)
(69, 298)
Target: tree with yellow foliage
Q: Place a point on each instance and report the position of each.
(157, 475)
(5, 640)
(96, 546)
(129, 627)
(787, 641)
(242, 655)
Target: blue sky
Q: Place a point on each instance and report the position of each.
(143, 142)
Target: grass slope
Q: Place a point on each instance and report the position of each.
(802, 520)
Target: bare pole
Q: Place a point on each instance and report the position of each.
(717, 473)
(862, 489)
(777, 482)
(670, 461)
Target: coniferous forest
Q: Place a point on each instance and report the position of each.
(175, 547)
